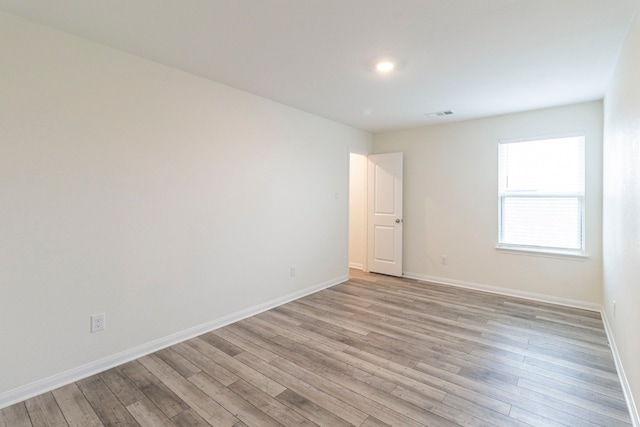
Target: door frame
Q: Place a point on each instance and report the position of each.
(365, 195)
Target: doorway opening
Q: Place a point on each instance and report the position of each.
(375, 213)
(357, 211)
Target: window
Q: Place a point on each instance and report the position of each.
(541, 193)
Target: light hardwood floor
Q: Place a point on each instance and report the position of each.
(372, 351)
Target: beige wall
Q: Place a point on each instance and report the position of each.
(451, 204)
(621, 220)
(162, 199)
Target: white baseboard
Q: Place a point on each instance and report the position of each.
(356, 265)
(626, 388)
(51, 383)
(507, 292)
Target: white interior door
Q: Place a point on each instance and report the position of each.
(385, 223)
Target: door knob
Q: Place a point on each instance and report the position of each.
(398, 221)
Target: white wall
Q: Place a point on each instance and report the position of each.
(357, 210)
(451, 204)
(160, 198)
(621, 219)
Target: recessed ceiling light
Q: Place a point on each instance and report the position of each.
(385, 66)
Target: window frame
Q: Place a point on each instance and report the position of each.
(579, 253)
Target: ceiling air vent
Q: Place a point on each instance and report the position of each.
(440, 113)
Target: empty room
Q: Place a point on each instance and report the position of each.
(319, 212)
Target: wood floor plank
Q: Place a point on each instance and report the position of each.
(537, 374)
(530, 418)
(372, 351)
(122, 387)
(15, 416)
(399, 406)
(360, 342)
(328, 367)
(183, 366)
(396, 377)
(270, 314)
(342, 321)
(527, 399)
(232, 402)
(314, 389)
(610, 396)
(373, 422)
(245, 344)
(302, 331)
(148, 415)
(269, 405)
(189, 418)
(262, 382)
(75, 407)
(157, 392)
(310, 410)
(444, 382)
(348, 405)
(488, 415)
(296, 343)
(221, 344)
(463, 418)
(206, 407)
(560, 365)
(105, 403)
(45, 412)
(613, 409)
(378, 323)
(205, 364)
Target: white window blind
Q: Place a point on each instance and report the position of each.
(541, 193)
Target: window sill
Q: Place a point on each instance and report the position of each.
(541, 252)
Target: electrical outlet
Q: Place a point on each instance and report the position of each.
(443, 260)
(293, 271)
(97, 323)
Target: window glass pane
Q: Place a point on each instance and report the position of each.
(551, 165)
(541, 192)
(542, 221)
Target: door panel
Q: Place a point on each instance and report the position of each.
(385, 214)
(384, 184)
(383, 251)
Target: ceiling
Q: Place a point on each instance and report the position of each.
(477, 58)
